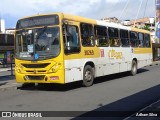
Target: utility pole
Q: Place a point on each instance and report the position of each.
(157, 25)
(0, 23)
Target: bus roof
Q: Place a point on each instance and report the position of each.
(79, 18)
(115, 25)
(92, 21)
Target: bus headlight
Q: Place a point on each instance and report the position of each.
(19, 69)
(55, 68)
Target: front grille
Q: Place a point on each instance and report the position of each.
(41, 71)
(29, 77)
(43, 65)
(38, 71)
(29, 71)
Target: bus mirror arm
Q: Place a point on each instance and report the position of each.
(67, 49)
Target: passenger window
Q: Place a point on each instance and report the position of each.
(147, 41)
(133, 39)
(87, 35)
(141, 40)
(124, 38)
(71, 39)
(101, 36)
(114, 37)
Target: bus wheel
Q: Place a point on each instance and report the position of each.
(134, 68)
(88, 76)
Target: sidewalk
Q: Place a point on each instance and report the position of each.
(5, 69)
(156, 63)
(7, 82)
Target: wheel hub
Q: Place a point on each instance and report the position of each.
(88, 76)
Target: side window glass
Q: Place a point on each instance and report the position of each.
(101, 36)
(147, 41)
(113, 37)
(133, 39)
(87, 35)
(140, 40)
(124, 38)
(71, 39)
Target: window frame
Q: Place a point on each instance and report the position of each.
(90, 36)
(113, 39)
(124, 38)
(131, 39)
(147, 40)
(139, 40)
(99, 37)
(64, 39)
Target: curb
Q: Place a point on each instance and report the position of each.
(155, 63)
(4, 70)
(10, 86)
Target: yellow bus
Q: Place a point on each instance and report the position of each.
(63, 48)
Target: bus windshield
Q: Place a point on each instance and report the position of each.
(38, 43)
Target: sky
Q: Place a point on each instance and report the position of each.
(12, 10)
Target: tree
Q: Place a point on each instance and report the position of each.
(146, 27)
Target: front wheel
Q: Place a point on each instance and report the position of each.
(134, 68)
(88, 76)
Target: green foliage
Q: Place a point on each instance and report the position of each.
(1, 55)
(146, 27)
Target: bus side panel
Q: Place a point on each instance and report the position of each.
(73, 70)
(75, 62)
(125, 65)
(115, 60)
(109, 63)
(143, 55)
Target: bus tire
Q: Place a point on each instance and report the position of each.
(88, 76)
(134, 68)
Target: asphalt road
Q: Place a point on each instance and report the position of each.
(119, 93)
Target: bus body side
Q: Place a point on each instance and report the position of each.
(76, 61)
(105, 60)
(143, 55)
(70, 64)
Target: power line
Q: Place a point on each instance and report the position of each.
(145, 8)
(113, 7)
(138, 12)
(126, 5)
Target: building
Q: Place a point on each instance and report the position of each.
(140, 23)
(2, 26)
(111, 19)
(10, 31)
(6, 42)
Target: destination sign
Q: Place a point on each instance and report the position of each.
(38, 21)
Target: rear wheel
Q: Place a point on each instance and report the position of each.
(134, 68)
(88, 76)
